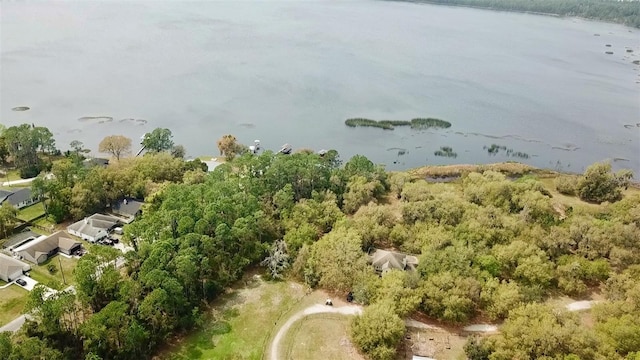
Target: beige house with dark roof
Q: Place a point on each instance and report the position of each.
(39, 250)
(11, 269)
(383, 261)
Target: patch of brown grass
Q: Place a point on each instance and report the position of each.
(437, 171)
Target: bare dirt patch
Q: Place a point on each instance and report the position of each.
(435, 343)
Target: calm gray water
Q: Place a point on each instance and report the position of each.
(292, 72)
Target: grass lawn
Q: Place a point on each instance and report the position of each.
(12, 300)
(244, 322)
(31, 212)
(11, 175)
(46, 223)
(321, 336)
(41, 274)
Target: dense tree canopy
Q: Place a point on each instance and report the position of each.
(116, 145)
(487, 245)
(23, 144)
(158, 140)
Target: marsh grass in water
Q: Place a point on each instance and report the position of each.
(495, 149)
(417, 123)
(445, 151)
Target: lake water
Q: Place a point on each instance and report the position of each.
(292, 72)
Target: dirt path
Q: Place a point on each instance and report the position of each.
(357, 310)
(314, 309)
(17, 182)
(580, 305)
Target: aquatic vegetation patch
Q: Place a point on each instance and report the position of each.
(445, 151)
(96, 118)
(494, 149)
(417, 123)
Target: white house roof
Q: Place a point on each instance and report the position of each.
(94, 224)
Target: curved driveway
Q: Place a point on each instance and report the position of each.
(314, 309)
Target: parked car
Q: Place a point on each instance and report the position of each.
(21, 282)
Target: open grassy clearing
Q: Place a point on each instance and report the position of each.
(574, 201)
(243, 322)
(320, 336)
(47, 224)
(12, 300)
(41, 273)
(31, 212)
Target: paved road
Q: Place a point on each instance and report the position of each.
(17, 182)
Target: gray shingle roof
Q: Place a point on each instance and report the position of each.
(129, 207)
(8, 265)
(34, 249)
(93, 224)
(15, 197)
(88, 163)
(387, 260)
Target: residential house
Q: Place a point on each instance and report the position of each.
(19, 197)
(41, 249)
(20, 238)
(11, 269)
(94, 227)
(128, 208)
(93, 162)
(383, 261)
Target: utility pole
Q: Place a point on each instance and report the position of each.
(62, 272)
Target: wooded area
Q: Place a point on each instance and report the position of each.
(487, 245)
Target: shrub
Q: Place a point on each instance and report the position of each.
(378, 331)
(566, 184)
(599, 184)
(52, 269)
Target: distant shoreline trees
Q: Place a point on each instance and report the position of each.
(622, 12)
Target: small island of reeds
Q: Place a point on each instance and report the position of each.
(495, 149)
(417, 123)
(445, 151)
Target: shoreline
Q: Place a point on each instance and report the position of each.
(491, 8)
